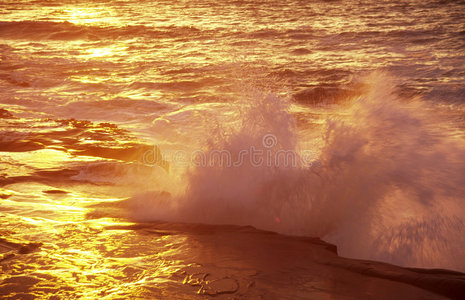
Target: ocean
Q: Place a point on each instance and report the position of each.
(300, 149)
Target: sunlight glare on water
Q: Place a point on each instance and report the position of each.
(106, 108)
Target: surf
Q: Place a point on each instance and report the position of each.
(384, 181)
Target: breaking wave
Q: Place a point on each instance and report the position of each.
(386, 184)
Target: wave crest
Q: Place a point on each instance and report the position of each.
(388, 186)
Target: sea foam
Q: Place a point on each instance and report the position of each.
(387, 183)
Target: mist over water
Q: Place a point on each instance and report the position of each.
(385, 185)
(125, 126)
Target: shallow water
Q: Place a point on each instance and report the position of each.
(306, 118)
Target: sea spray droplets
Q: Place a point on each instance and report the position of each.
(385, 163)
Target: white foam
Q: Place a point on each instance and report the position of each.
(390, 185)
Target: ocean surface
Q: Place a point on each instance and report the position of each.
(191, 149)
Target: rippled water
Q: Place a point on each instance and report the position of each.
(106, 109)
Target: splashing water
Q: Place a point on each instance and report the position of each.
(387, 185)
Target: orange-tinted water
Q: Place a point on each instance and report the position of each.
(335, 120)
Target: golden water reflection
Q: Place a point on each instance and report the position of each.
(90, 15)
